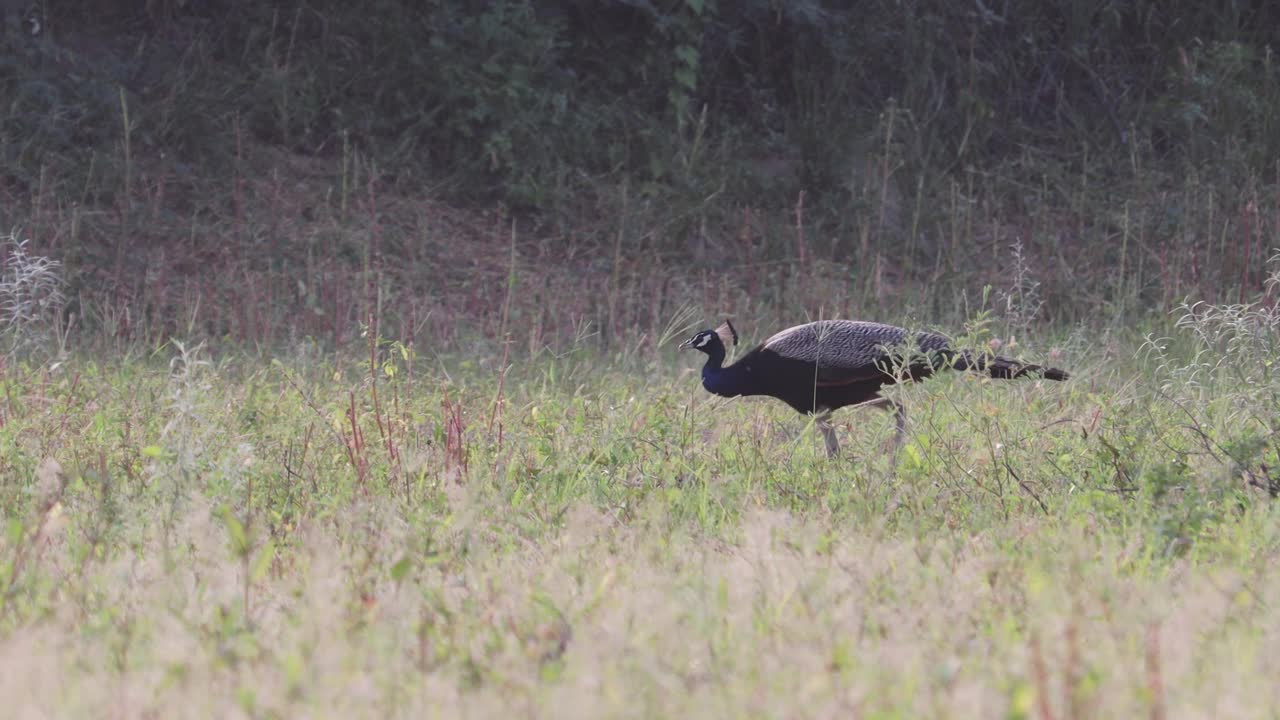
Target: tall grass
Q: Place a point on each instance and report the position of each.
(374, 535)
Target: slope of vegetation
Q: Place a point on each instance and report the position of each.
(1126, 148)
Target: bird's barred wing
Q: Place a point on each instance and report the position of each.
(847, 351)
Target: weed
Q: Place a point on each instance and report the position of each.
(31, 299)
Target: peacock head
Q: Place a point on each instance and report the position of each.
(710, 341)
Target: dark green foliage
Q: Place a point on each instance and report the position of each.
(1128, 146)
(521, 98)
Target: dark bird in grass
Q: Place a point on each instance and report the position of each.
(822, 366)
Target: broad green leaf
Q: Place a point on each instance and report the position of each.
(688, 55)
(401, 568)
(13, 531)
(265, 555)
(687, 78)
(236, 532)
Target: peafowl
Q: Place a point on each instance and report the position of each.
(822, 366)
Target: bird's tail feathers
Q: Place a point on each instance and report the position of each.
(1003, 368)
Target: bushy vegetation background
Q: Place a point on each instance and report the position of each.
(1129, 147)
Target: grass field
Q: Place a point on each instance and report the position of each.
(384, 533)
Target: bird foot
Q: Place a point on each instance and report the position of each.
(829, 436)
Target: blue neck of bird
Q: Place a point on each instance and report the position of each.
(715, 358)
(718, 379)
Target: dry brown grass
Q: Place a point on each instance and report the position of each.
(793, 618)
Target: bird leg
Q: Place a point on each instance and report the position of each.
(828, 433)
(899, 418)
(823, 421)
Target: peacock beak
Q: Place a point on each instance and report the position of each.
(686, 344)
